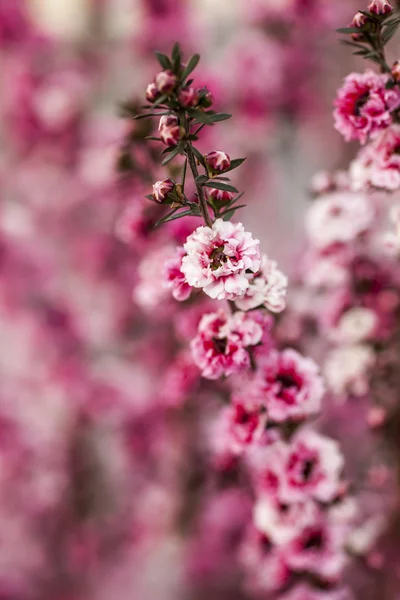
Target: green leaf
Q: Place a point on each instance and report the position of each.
(389, 33)
(227, 215)
(202, 117)
(235, 163)
(202, 179)
(348, 30)
(171, 216)
(199, 156)
(232, 212)
(163, 60)
(232, 202)
(219, 185)
(160, 100)
(171, 156)
(149, 197)
(153, 138)
(355, 44)
(217, 117)
(192, 64)
(176, 59)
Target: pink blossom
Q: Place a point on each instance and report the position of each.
(174, 278)
(347, 369)
(165, 82)
(189, 97)
(313, 468)
(364, 106)
(152, 92)
(161, 189)
(170, 130)
(218, 258)
(338, 218)
(220, 347)
(289, 385)
(217, 161)
(267, 288)
(378, 164)
(220, 195)
(264, 563)
(380, 7)
(283, 523)
(240, 425)
(148, 292)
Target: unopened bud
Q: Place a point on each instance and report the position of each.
(220, 195)
(380, 7)
(170, 130)
(165, 82)
(189, 97)
(152, 93)
(217, 162)
(161, 190)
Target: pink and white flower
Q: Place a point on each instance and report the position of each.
(267, 288)
(338, 219)
(152, 93)
(218, 259)
(347, 369)
(220, 347)
(289, 385)
(380, 7)
(189, 97)
(364, 106)
(217, 161)
(174, 278)
(220, 195)
(240, 425)
(312, 469)
(170, 130)
(378, 164)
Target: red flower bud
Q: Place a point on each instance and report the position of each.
(189, 97)
(152, 93)
(220, 195)
(165, 82)
(161, 189)
(205, 98)
(218, 162)
(396, 71)
(170, 130)
(380, 7)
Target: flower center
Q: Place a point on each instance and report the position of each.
(220, 344)
(217, 257)
(359, 103)
(315, 540)
(308, 468)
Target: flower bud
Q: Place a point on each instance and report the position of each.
(205, 98)
(217, 162)
(170, 130)
(396, 71)
(152, 93)
(161, 189)
(165, 82)
(189, 97)
(380, 7)
(220, 195)
(359, 20)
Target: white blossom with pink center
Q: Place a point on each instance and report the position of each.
(338, 219)
(283, 523)
(347, 369)
(220, 347)
(219, 258)
(267, 288)
(313, 467)
(174, 278)
(364, 106)
(289, 385)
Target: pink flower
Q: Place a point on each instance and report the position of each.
(289, 385)
(266, 288)
(189, 97)
(364, 106)
(170, 130)
(174, 278)
(217, 161)
(305, 592)
(152, 93)
(148, 292)
(283, 523)
(380, 7)
(338, 219)
(313, 468)
(161, 189)
(347, 369)
(263, 562)
(165, 81)
(219, 258)
(378, 164)
(220, 347)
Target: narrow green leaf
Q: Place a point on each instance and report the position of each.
(162, 220)
(171, 156)
(347, 30)
(232, 212)
(232, 202)
(176, 59)
(199, 156)
(217, 117)
(227, 215)
(192, 64)
(389, 33)
(235, 163)
(202, 117)
(153, 138)
(202, 179)
(171, 216)
(163, 60)
(219, 185)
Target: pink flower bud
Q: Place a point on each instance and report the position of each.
(189, 97)
(380, 7)
(220, 195)
(218, 162)
(161, 189)
(206, 98)
(170, 130)
(359, 20)
(152, 92)
(396, 71)
(165, 82)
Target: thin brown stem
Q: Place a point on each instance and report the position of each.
(199, 188)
